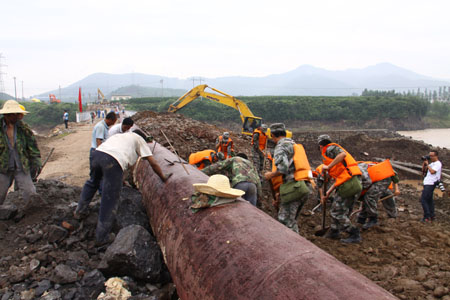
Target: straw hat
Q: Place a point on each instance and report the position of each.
(218, 185)
(12, 107)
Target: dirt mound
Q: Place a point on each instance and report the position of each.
(186, 135)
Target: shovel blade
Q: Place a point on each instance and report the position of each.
(321, 232)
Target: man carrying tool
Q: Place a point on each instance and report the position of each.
(292, 166)
(342, 167)
(205, 158)
(20, 158)
(259, 143)
(126, 124)
(109, 161)
(242, 175)
(224, 144)
(376, 179)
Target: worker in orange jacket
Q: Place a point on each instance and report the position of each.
(224, 144)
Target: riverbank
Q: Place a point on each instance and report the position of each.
(438, 137)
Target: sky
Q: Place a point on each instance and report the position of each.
(49, 43)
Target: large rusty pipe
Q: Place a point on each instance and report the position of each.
(237, 251)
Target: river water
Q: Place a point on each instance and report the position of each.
(437, 137)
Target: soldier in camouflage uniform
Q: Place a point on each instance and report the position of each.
(283, 157)
(242, 175)
(20, 159)
(341, 206)
(257, 152)
(376, 191)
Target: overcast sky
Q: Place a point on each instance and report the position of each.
(50, 43)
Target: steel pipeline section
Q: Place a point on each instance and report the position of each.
(237, 251)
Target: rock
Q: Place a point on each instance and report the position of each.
(42, 287)
(373, 260)
(429, 284)
(79, 256)
(446, 297)
(134, 253)
(17, 274)
(409, 284)
(92, 284)
(56, 233)
(421, 261)
(8, 295)
(440, 291)
(34, 263)
(27, 295)
(131, 210)
(51, 295)
(33, 237)
(64, 274)
(390, 241)
(7, 211)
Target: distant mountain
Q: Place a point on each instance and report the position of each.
(304, 80)
(4, 96)
(137, 91)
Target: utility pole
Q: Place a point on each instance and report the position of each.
(2, 84)
(15, 89)
(23, 98)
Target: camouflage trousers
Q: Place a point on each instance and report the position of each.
(289, 212)
(340, 210)
(378, 190)
(258, 161)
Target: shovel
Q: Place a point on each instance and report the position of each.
(324, 229)
(379, 201)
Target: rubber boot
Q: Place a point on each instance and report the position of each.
(332, 234)
(373, 221)
(354, 237)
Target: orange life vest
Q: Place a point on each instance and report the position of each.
(199, 157)
(380, 171)
(224, 147)
(262, 139)
(302, 168)
(344, 170)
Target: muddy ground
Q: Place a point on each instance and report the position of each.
(406, 257)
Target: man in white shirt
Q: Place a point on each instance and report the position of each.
(433, 175)
(126, 124)
(109, 161)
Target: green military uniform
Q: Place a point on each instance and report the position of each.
(283, 159)
(238, 170)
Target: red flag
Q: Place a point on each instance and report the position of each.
(80, 106)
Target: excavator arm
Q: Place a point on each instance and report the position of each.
(249, 121)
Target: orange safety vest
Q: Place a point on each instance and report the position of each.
(199, 157)
(342, 171)
(302, 168)
(262, 139)
(224, 147)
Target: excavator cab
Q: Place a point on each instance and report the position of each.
(250, 124)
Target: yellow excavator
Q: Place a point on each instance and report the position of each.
(249, 121)
(100, 96)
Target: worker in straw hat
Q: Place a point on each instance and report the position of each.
(215, 192)
(20, 159)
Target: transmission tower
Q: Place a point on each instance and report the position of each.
(2, 83)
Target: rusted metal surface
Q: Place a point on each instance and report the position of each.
(237, 251)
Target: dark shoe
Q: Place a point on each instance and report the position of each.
(333, 234)
(425, 220)
(108, 240)
(373, 221)
(354, 237)
(361, 220)
(80, 215)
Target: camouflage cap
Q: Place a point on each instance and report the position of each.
(277, 127)
(323, 137)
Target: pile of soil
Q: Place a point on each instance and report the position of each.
(408, 258)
